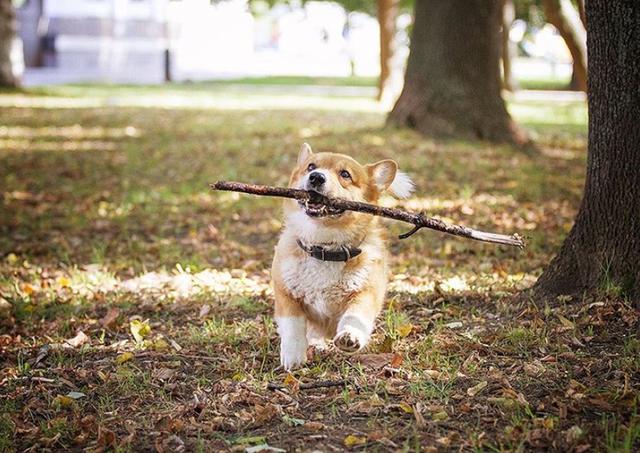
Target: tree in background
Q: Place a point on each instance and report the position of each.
(452, 82)
(566, 18)
(508, 47)
(8, 30)
(387, 14)
(603, 247)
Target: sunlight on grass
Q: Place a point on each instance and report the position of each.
(217, 98)
(93, 244)
(46, 146)
(69, 132)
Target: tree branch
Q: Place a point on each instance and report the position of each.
(418, 220)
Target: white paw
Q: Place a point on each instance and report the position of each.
(293, 354)
(350, 340)
(293, 341)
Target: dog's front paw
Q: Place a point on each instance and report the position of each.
(348, 341)
(293, 354)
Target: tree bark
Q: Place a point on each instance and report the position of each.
(508, 50)
(603, 247)
(452, 82)
(387, 12)
(8, 30)
(583, 16)
(562, 15)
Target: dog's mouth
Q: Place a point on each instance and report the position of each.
(319, 210)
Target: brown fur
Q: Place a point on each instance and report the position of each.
(331, 300)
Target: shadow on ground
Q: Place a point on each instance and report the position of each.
(136, 304)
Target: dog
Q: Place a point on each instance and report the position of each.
(329, 272)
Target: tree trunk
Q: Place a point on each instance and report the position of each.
(602, 250)
(508, 49)
(583, 16)
(452, 82)
(8, 30)
(387, 12)
(562, 15)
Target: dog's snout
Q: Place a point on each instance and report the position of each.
(317, 179)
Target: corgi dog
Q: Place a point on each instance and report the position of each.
(329, 272)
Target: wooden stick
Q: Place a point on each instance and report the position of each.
(418, 220)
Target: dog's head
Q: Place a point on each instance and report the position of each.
(340, 176)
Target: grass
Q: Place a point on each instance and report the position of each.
(106, 218)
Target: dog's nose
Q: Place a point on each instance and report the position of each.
(316, 179)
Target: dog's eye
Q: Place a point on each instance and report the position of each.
(311, 167)
(345, 174)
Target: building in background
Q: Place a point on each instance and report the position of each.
(150, 41)
(141, 41)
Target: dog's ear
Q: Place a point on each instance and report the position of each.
(305, 152)
(382, 173)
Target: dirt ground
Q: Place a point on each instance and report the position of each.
(135, 308)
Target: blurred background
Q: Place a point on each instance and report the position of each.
(155, 41)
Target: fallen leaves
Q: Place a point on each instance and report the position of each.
(447, 289)
(28, 289)
(77, 341)
(62, 402)
(440, 416)
(476, 389)
(375, 361)
(64, 282)
(353, 440)
(124, 358)
(404, 330)
(139, 329)
(109, 321)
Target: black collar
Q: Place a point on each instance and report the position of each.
(320, 252)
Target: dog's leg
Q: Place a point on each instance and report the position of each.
(292, 330)
(357, 322)
(316, 336)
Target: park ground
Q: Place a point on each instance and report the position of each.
(135, 309)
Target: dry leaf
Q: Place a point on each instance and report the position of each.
(163, 374)
(80, 339)
(106, 437)
(473, 391)
(352, 441)
(565, 322)
(396, 361)
(160, 345)
(139, 329)
(433, 374)
(109, 320)
(417, 413)
(204, 311)
(314, 426)
(291, 381)
(263, 448)
(439, 416)
(28, 289)
(62, 402)
(404, 330)
(76, 395)
(406, 408)
(374, 361)
(124, 357)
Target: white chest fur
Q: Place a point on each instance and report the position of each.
(323, 286)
